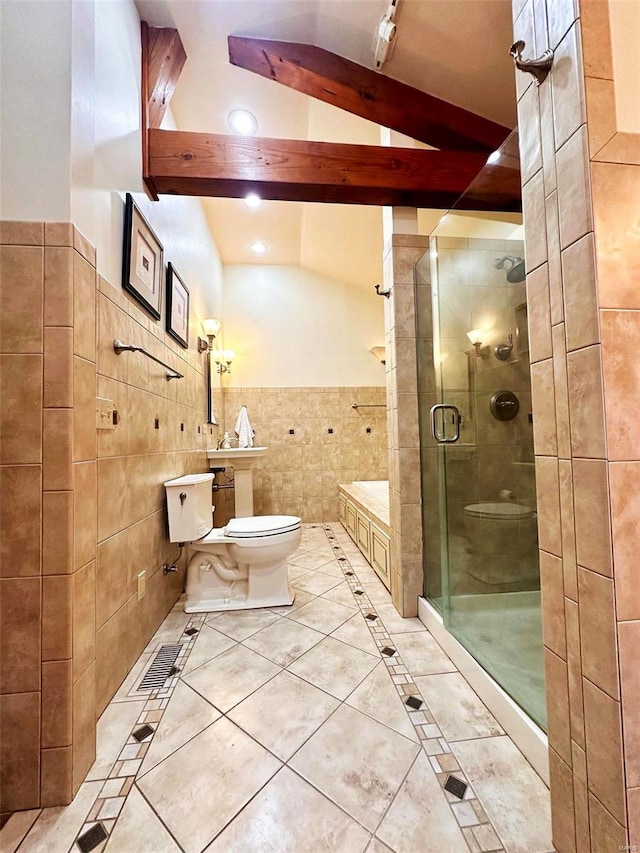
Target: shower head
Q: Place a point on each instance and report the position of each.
(516, 270)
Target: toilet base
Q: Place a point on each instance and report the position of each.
(195, 604)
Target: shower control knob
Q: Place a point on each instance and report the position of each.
(504, 405)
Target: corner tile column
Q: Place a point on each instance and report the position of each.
(401, 255)
(581, 194)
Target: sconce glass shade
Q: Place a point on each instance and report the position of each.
(211, 327)
(380, 353)
(475, 336)
(228, 355)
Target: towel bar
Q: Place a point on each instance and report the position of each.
(368, 405)
(119, 347)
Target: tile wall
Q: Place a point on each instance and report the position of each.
(581, 196)
(316, 440)
(81, 510)
(401, 257)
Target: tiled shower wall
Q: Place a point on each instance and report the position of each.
(581, 196)
(403, 349)
(82, 511)
(316, 440)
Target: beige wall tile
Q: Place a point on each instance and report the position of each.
(586, 403)
(113, 323)
(548, 501)
(591, 506)
(604, 754)
(112, 485)
(580, 797)
(57, 533)
(616, 198)
(633, 806)
(524, 30)
(601, 112)
(21, 293)
(530, 144)
(558, 705)
(605, 831)
(58, 287)
(55, 776)
(562, 805)
(534, 217)
(555, 271)
(547, 138)
(539, 314)
(563, 427)
(553, 627)
(57, 708)
(624, 482)
(112, 657)
(596, 39)
(621, 374)
(20, 416)
(569, 111)
(82, 245)
(574, 671)
(15, 233)
(84, 619)
(57, 449)
(621, 148)
(629, 639)
(560, 16)
(57, 615)
(84, 725)
(58, 367)
(85, 501)
(20, 514)
(574, 197)
(544, 421)
(20, 614)
(580, 295)
(20, 753)
(58, 234)
(84, 308)
(565, 475)
(84, 410)
(598, 631)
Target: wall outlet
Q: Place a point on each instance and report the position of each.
(142, 585)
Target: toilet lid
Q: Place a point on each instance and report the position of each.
(499, 510)
(261, 525)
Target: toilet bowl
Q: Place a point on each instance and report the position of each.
(236, 567)
(502, 542)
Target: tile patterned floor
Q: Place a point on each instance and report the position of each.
(331, 725)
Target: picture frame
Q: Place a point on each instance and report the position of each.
(177, 322)
(142, 260)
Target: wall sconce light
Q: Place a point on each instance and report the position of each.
(380, 353)
(223, 359)
(475, 336)
(211, 328)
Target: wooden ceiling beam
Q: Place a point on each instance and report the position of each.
(366, 93)
(163, 57)
(215, 165)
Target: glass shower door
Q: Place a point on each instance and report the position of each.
(480, 445)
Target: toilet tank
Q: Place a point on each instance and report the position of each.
(189, 507)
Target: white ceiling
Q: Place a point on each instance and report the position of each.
(454, 49)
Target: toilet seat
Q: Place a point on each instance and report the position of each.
(499, 511)
(261, 525)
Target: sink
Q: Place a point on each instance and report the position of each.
(242, 460)
(235, 457)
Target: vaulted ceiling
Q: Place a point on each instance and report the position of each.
(454, 49)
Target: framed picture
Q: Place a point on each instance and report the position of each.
(177, 307)
(142, 269)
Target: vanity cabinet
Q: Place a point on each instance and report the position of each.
(380, 553)
(363, 532)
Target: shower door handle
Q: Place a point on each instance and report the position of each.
(441, 438)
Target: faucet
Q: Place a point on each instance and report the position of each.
(224, 443)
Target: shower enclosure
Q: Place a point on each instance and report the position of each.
(479, 501)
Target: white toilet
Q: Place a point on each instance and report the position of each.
(236, 567)
(502, 541)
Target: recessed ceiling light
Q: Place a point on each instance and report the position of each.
(493, 157)
(258, 247)
(253, 200)
(243, 122)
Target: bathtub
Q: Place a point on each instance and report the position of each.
(364, 513)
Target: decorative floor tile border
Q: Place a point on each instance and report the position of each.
(471, 817)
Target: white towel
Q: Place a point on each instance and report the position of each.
(243, 429)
